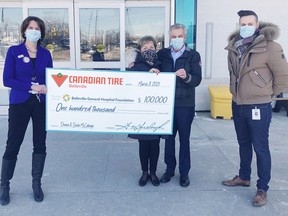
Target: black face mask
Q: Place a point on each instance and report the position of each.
(150, 56)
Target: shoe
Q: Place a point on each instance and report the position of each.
(184, 180)
(236, 181)
(38, 162)
(166, 177)
(143, 180)
(38, 192)
(4, 196)
(260, 198)
(7, 171)
(154, 179)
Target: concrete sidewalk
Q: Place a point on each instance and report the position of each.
(97, 175)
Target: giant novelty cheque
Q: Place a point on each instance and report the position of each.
(109, 101)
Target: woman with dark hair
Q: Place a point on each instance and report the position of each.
(145, 59)
(24, 73)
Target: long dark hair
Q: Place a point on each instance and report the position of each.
(40, 23)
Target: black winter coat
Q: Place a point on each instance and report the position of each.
(190, 61)
(141, 65)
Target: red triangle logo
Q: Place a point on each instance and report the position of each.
(59, 79)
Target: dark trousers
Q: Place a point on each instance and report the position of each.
(253, 134)
(149, 152)
(183, 118)
(281, 103)
(19, 117)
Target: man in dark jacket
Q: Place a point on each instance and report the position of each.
(258, 70)
(186, 64)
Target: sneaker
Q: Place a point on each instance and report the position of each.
(236, 181)
(260, 198)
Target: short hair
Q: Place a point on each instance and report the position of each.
(146, 39)
(178, 26)
(40, 23)
(242, 13)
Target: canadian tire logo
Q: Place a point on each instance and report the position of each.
(59, 78)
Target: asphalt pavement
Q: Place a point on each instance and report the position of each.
(97, 175)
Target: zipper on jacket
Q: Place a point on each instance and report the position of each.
(260, 77)
(249, 59)
(236, 85)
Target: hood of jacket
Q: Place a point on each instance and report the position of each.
(267, 30)
(130, 56)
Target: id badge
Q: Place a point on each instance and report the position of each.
(256, 115)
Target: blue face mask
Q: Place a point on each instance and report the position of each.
(247, 31)
(177, 43)
(33, 35)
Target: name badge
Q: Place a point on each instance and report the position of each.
(26, 59)
(256, 115)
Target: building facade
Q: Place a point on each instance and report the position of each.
(94, 34)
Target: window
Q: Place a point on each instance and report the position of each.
(88, 34)
(186, 14)
(99, 34)
(10, 23)
(57, 38)
(141, 21)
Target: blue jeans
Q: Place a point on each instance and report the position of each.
(253, 134)
(183, 118)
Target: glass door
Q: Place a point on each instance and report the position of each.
(99, 35)
(88, 34)
(59, 39)
(150, 18)
(10, 22)
(104, 31)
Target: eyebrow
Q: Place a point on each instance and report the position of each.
(33, 27)
(250, 23)
(181, 35)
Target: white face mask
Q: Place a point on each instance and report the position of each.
(247, 31)
(177, 43)
(33, 35)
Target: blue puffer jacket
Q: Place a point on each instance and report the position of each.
(190, 61)
(141, 65)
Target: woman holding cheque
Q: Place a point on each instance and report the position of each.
(145, 59)
(24, 73)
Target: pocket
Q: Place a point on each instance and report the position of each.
(257, 79)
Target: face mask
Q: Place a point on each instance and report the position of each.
(150, 56)
(33, 35)
(177, 43)
(247, 31)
